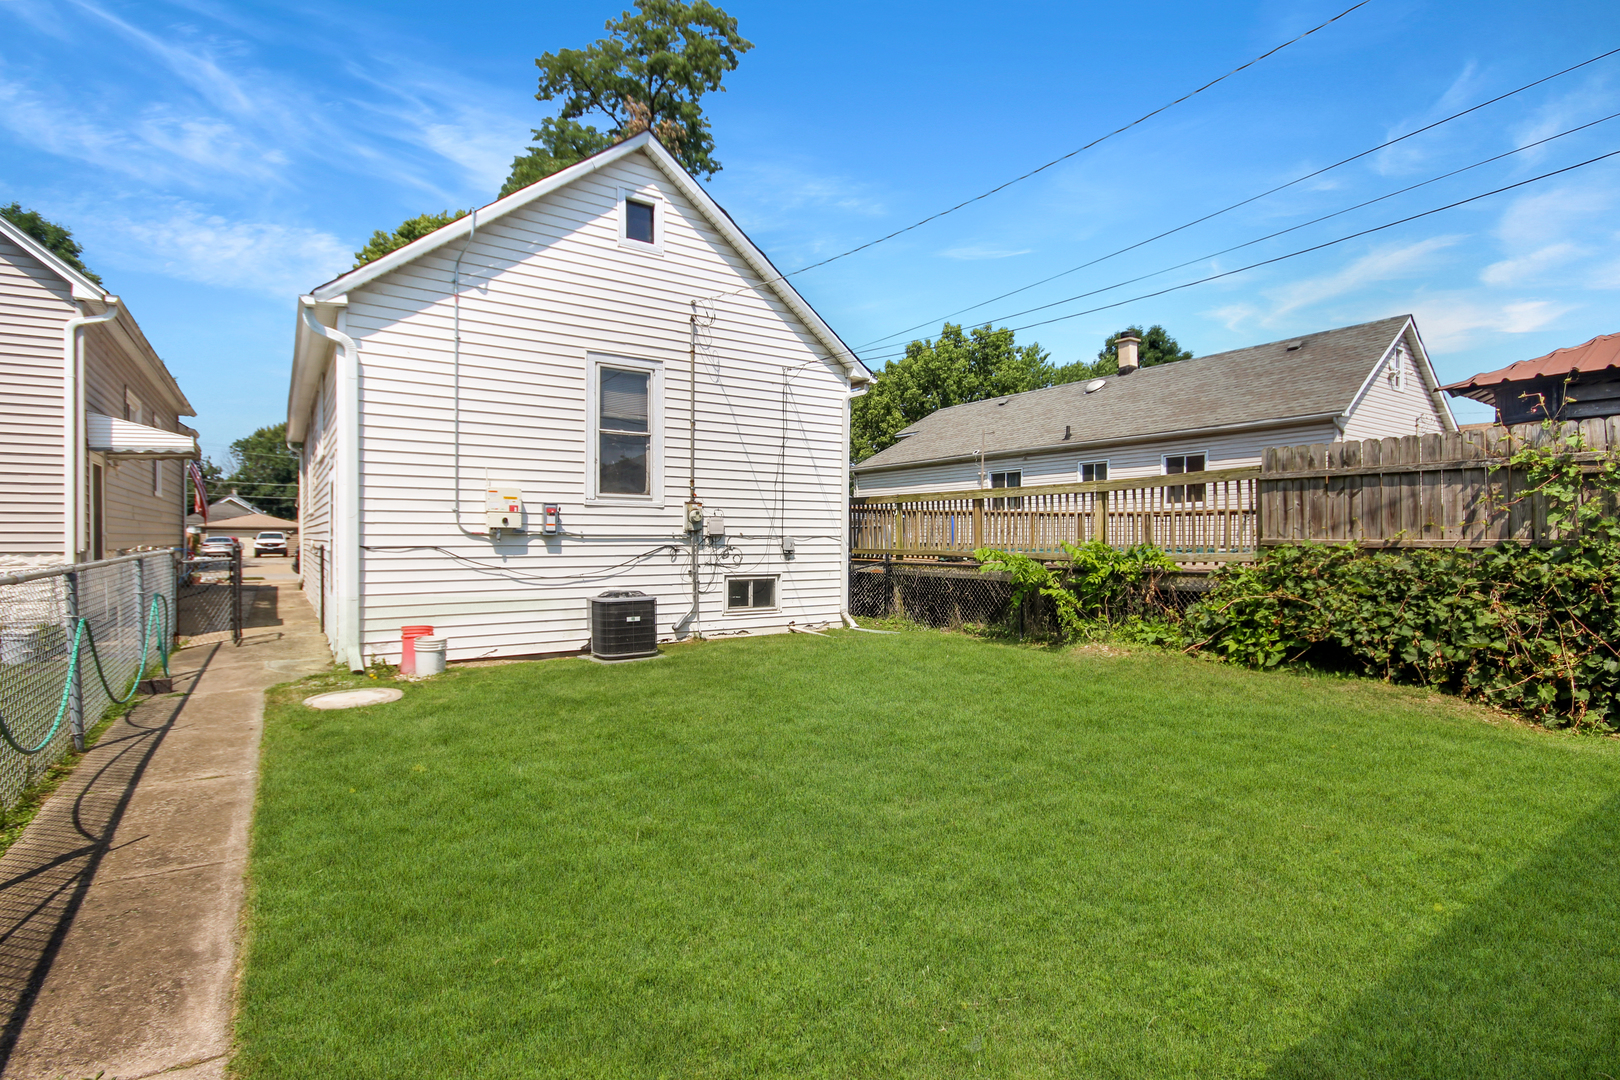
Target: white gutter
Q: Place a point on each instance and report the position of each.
(346, 487)
(74, 452)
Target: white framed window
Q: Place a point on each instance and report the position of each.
(1397, 370)
(134, 409)
(1010, 479)
(641, 220)
(747, 594)
(157, 478)
(625, 433)
(1175, 465)
(1092, 471)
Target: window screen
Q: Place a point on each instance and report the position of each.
(624, 433)
(638, 221)
(1093, 470)
(745, 593)
(1175, 466)
(1007, 480)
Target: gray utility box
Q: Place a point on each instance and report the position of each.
(624, 625)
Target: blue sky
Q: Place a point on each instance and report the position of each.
(216, 160)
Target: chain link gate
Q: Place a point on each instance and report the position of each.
(209, 597)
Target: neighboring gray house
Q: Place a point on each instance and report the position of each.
(91, 442)
(1212, 412)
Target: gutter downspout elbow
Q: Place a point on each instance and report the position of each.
(74, 451)
(347, 496)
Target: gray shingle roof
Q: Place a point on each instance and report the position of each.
(1244, 386)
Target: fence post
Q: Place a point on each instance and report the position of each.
(236, 596)
(978, 524)
(75, 685)
(1102, 516)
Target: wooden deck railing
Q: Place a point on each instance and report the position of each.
(1195, 517)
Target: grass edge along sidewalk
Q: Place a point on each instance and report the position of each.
(924, 855)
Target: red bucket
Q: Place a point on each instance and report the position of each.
(407, 647)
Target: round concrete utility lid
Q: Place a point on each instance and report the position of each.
(353, 699)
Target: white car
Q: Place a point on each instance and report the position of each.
(270, 543)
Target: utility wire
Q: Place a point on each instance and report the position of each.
(1305, 224)
(1057, 160)
(1244, 202)
(1308, 250)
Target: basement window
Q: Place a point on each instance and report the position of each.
(750, 594)
(1007, 480)
(1184, 463)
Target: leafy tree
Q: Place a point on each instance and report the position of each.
(648, 74)
(55, 238)
(265, 472)
(935, 374)
(413, 229)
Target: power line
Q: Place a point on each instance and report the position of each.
(1306, 224)
(1060, 159)
(1307, 250)
(1244, 202)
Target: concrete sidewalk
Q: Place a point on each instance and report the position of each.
(120, 906)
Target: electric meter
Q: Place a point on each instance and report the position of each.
(503, 508)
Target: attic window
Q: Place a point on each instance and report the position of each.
(638, 221)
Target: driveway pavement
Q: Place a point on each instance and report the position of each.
(120, 906)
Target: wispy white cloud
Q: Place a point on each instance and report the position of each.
(190, 244)
(1383, 264)
(973, 252)
(1454, 321)
(1524, 268)
(1414, 153)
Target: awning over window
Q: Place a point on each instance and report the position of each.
(126, 439)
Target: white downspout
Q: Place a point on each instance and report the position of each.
(346, 498)
(73, 444)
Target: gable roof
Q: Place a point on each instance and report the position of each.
(711, 211)
(83, 288)
(1311, 377)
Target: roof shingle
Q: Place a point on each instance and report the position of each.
(1311, 375)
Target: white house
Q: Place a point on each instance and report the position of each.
(606, 342)
(91, 442)
(1212, 412)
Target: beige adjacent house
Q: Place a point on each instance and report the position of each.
(1368, 381)
(91, 444)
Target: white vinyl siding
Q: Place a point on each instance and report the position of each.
(1124, 461)
(547, 289)
(1396, 406)
(34, 303)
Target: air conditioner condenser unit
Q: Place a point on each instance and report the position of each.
(624, 625)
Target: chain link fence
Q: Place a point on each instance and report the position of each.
(209, 600)
(72, 639)
(949, 596)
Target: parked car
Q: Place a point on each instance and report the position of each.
(270, 543)
(219, 546)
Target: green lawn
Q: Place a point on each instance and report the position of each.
(927, 856)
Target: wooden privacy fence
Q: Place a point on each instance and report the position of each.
(1196, 517)
(1452, 490)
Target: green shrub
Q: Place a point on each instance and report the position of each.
(1093, 592)
(1534, 629)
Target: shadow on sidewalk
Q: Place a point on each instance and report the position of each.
(46, 874)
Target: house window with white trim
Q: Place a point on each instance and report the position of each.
(625, 437)
(641, 221)
(1012, 479)
(1092, 471)
(1175, 465)
(750, 594)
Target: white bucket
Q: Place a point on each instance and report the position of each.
(430, 655)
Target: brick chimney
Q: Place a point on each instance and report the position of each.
(1127, 353)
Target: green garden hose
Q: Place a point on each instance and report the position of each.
(83, 631)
